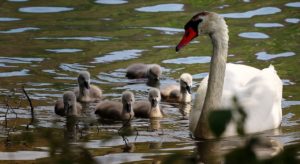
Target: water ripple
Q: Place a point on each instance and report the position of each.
(111, 2)
(252, 13)
(6, 19)
(64, 50)
(19, 30)
(293, 4)
(292, 20)
(268, 25)
(23, 72)
(43, 9)
(119, 55)
(166, 30)
(74, 67)
(266, 56)
(162, 8)
(189, 60)
(84, 38)
(19, 60)
(254, 35)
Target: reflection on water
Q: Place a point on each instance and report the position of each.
(111, 2)
(119, 56)
(266, 56)
(19, 60)
(64, 50)
(84, 38)
(292, 20)
(117, 33)
(162, 8)
(254, 35)
(23, 155)
(17, 0)
(189, 60)
(293, 4)
(166, 30)
(76, 67)
(6, 19)
(117, 158)
(200, 75)
(44, 9)
(252, 13)
(23, 72)
(19, 30)
(268, 25)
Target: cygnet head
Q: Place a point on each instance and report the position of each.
(128, 101)
(69, 100)
(154, 72)
(84, 79)
(186, 81)
(154, 97)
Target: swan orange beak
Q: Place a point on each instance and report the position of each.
(189, 35)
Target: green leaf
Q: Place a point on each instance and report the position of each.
(218, 121)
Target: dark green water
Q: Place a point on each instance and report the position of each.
(43, 44)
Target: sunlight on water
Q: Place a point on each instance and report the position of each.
(23, 155)
(6, 19)
(293, 4)
(76, 67)
(44, 9)
(166, 30)
(268, 25)
(266, 56)
(64, 50)
(19, 30)
(252, 13)
(254, 35)
(292, 20)
(111, 2)
(19, 60)
(84, 38)
(119, 56)
(23, 72)
(162, 8)
(189, 60)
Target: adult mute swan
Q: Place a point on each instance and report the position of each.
(259, 92)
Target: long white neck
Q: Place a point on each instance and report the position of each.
(155, 112)
(216, 80)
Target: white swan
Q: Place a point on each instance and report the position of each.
(259, 92)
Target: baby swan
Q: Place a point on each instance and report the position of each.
(179, 93)
(149, 109)
(85, 92)
(68, 106)
(139, 70)
(115, 110)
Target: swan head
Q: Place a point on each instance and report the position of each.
(69, 100)
(154, 72)
(154, 97)
(186, 81)
(128, 101)
(84, 79)
(201, 23)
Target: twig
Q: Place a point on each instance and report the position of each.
(31, 106)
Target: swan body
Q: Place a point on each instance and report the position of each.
(258, 92)
(85, 92)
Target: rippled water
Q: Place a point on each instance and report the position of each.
(44, 44)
